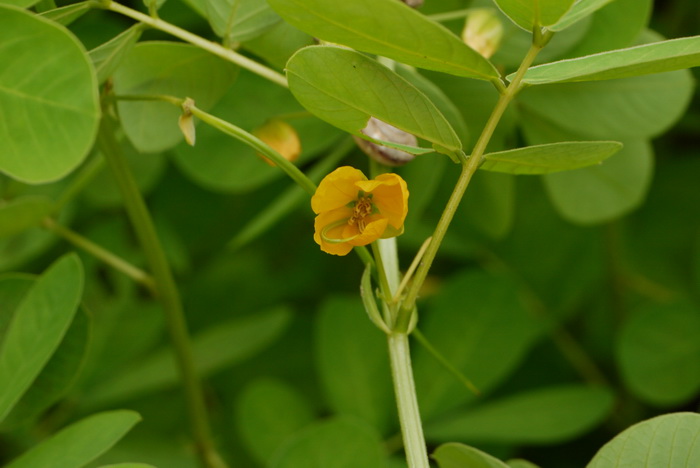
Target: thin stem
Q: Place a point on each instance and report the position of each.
(167, 293)
(101, 253)
(406, 401)
(469, 167)
(213, 47)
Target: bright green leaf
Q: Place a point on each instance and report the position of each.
(166, 68)
(108, 56)
(268, 413)
(79, 443)
(240, 20)
(529, 14)
(553, 157)
(669, 441)
(454, 455)
(222, 346)
(579, 10)
(67, 14)
(49, 109)
(659, 353)
(338, 443)
(527, 418)
(23, 213)
(346, 88)
(37, 328)
(388, 28)
(353, 364)
(658, 57)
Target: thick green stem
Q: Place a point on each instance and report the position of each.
(213, 47)
(406, 401)
(469, 167)
(166, 292)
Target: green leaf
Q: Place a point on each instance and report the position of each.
(278, 44)
(37, 328)
(659, 57)
(670, 441)
(268, 413)
(353, 363)
(553, 157)
(13, 288)
(108, 56)
(387, 28)
(128, 465)
(659, 353)
(79, 443)
(579, 10)
(240, 20)
(518, 463)
(167, 68)
(490, 207)
(527, 418)
(67, 14)
(48, 98)
(338, 443)
(214, 349)
(346, 88)
(485, 344)
(23, 213)
(454, 455)
(529, 14)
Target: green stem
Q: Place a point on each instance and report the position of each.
(166, 292)
(469, 167)
(101, 253)
(406, 401)
(212, 47)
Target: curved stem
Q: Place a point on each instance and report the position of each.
(213, 47)
(166, 292)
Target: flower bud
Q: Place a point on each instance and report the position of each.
(281, 137)
(379, 130)
(483, 31)
(186, 122)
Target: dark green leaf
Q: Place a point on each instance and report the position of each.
(454, 455)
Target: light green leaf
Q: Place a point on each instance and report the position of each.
(669, 441)
(578, 11)
(37, 328)
(659, 353)
(268, 413)
(13, 287)
(346, 88)
(338, 443)
(23, 213)
(454, 455)
(529, 14)
(49, 109)
(527, 418)
(214, 349)
(658, 57)
(387, 28)
(67, 14)
(157, 68)
(553, 157)
(79, 443)
(485, 344)
(353, 364)
(240, 20)
(108, 56)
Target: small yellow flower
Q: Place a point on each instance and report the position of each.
(352, 210)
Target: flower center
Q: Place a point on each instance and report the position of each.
(363, 207)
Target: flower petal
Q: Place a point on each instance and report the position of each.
(326, 219)
(390, 196)
(337, 189)
(373, 231)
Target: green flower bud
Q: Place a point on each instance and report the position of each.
(483, 31)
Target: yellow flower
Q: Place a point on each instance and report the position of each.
(352, 210)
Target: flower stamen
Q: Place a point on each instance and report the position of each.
(363, 207)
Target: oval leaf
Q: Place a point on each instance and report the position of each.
(578, 11)
(670, 441)
(454, 455)
(388, 28)
(48, 98)
(37, 328)
(554, 157)
(346, 88)
(79, 443)
(529, 14)
(658, 57)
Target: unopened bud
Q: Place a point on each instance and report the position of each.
(483, 31)
(281, 137)
(186, 122)
(378, 130)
